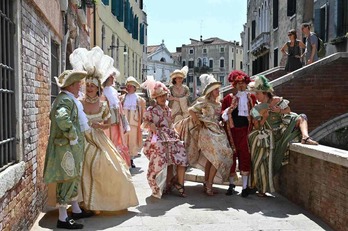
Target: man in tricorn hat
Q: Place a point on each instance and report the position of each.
(236, 107)
(64, 154)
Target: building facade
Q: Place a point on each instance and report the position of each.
(212, 55)
(120, 30)
(268, 22)
(161, 63)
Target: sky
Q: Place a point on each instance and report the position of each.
(177, 21)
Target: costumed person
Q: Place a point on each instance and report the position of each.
(106, 181)
(65, 149)
(206, 143)
(292, 49)
(166, 153)
(119, 124)
(180, 93)
(134, 107)
(274, 127)
(236, 107)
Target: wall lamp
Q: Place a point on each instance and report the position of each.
(111, 47)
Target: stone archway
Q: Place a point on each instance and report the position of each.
(330, 126)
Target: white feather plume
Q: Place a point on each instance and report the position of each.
(206, 79)
(184, 70)
(78, 58)
(149, 84)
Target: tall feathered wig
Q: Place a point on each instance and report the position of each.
(238, 76)
(209, 83)
(156, 88)
(260, 84)
(93, 61)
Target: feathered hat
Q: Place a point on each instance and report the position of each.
(238, 76)
(132, 81)
(94, 62)
(156, 88)
(209, 83)
(69, 77)
(179, 73)
(260, 84)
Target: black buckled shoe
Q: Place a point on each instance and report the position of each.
(230, 190)
(69, 224)
(245, 192)
(83, 214)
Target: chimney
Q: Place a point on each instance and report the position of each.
(201, 38)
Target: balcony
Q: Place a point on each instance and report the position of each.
(202, 69)
(260, 44)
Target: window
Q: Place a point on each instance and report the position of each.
(54, 69)
(241, 65)
(321, 20)
(191, 51)
(342, 17)
(112, 46)
(291, 10)
(222, 79)
(163, 60)
(275, 14)
(232, 50)
(105, 2)
(222, 63)
(204, 50)
(232, 63)
(253, 30)
(8, 153)
(205, 62)
(211, 63)
(183, 63)
(275, 61)
(222, 49)
(191, 64)
(199, 61)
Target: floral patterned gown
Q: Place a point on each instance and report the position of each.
(166, 150)
(207, 142)
(106, 181)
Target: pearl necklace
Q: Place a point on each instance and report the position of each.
(92, 100)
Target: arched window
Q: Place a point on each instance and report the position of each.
(163, 60)
(199, 62)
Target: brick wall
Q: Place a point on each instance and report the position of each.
(320, 91)
(319, 186)
(20, 205)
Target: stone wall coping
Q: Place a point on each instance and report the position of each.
(322, 152)
(10, 177)
(308, 68)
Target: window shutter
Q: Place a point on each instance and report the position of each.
(275, 14)
(291, 7)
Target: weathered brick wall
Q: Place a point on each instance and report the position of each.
(21, 205)
(318, 186)
(320, 93)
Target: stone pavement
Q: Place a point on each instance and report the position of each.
(196, 212)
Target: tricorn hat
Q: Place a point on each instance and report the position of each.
(179, 73)
(260, 84)
(69, 77)
(238, 76)
(132, 81)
